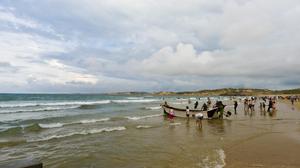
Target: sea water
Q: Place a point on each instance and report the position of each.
(97, 130)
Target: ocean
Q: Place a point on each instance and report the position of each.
(97, 130)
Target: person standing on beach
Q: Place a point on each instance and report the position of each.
(246, 107)
(270, 105)
(187, 112)
(252, 105)
(220, 107)
(274, 104)
(235, 106)
(292, 100)
(261, 108)
(204, 107)
(208, 102)
(196, 105)
(199, 117)
(189, 101)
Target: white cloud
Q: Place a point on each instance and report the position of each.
(6, 16)
(184, 60)
(28, 53)
(134, 42)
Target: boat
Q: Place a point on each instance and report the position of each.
(181, 113)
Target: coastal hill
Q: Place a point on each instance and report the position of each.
(230, 92)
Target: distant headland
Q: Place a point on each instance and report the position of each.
(216, 92)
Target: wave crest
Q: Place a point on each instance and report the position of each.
(85, 132)
(38, 109)
(153, 108)
(93, 120)
(55, 104)
(135, 101)
(143, 117)
(51, 125)
(143, 126)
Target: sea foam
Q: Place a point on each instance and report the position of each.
(153, 108)
(135, 101)
(52, 125)
(143, 126)
(93, 120)
(142, 117)
(215, 160)
(55, 103)
(84, 132)
(37, 109)
(86, 121)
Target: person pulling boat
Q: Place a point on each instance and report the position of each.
(187, 112)
(199, 117)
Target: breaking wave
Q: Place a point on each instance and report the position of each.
(37, 110)
(21, 129)
(55, 103)
(85, 121)
(153, 108)
(143, 126)
(142, 117)
(173, 124)
(73, 104)
(85, 132)
(135, 101)
(52, 125)
(135, 98)
(94, 120)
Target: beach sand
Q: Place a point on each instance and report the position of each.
(269, 150)
(278, 147)
(297, 105)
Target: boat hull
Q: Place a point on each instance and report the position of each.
(181, 113)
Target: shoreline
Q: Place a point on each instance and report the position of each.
(276, 148)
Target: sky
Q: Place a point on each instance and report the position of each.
(96, 46)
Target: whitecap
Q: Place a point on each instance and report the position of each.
(84, 132)
(173, 124)
(143, 126)
(135, 98)
(55, 103)
(153, 108)
(37, 109)
(135, 101)
(93, 120)
(51, 125)
(142, 117)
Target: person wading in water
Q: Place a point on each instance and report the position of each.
(235, 106)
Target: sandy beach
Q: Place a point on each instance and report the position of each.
(276, 147)
(115, 131)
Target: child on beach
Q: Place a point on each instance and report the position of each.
(171, 115)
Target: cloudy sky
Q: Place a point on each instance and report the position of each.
(148, 45)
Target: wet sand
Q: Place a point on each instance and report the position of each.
(278, 147)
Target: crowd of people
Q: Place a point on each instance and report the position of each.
(249, 104)
(266, 104)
